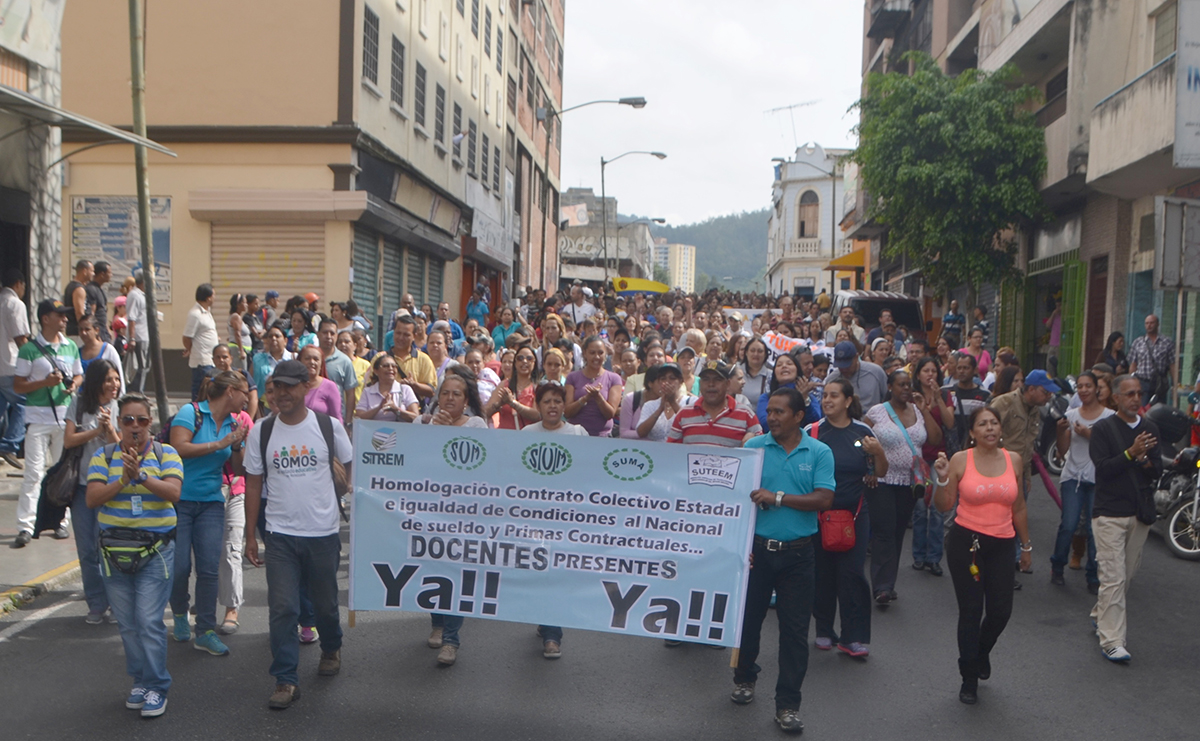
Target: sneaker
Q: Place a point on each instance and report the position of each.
(308, 636)
(789, 720)
(448, 655)
(1056, 578)
(136, 699)
(934, 568)
(94, 618)
(824, 644)
(61, 533)
(12, 460)
(211, 643)
(331, 664)
(182, 632)
(918, 565)
(883, 598)
(435, 638)
(155, 704)
(1117, 654)
(672, 643)
(892, 595)
(855, 649)
(23, 539)
(551, 650)
(110, 616)
(283, 696)
(743, 693)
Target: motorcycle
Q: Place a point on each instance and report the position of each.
(1177, 497)
(1054, 410)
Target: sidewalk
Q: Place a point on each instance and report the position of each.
(43, 565)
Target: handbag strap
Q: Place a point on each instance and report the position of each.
(896, 421)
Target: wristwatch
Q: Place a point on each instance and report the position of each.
(778, 499)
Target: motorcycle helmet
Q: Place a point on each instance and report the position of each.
(1174, 424)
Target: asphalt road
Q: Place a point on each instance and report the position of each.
(62, 679)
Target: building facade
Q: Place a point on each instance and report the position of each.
(803, 233)
(594, 252)
(679, 262)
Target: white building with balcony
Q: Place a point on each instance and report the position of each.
(803, 235)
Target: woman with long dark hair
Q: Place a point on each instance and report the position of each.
(1113, 353)
(927, 523)
(1009, 378)
(239, 332)
(757, 367)
(514, 400)
(593, 394)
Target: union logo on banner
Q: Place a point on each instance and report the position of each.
(713, 470)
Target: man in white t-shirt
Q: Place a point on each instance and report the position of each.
(302, 525)
(200, 337)
(139, 333)
(579, 309)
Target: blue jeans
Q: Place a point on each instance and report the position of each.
(1077, 500)
(928, 533)
(201, 532)
(292, 561)
(87, 533)
(450, 625)
(550, 633)
(137, 602)
(307, 618)
(12, 416)
(199, 373)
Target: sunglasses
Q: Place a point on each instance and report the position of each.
(129, 420)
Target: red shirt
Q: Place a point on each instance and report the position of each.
(727, 429)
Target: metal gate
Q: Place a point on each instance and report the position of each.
(365, 261)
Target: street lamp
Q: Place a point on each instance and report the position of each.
(545, 114)
(810, 148)
(604, 199)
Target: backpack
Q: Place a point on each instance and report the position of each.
(336, 469)
(164, 435)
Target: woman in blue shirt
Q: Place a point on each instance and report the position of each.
(508, 324)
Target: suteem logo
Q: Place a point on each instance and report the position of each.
(713, 470)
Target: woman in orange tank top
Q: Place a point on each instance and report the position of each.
(983, 481)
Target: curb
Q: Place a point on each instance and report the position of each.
(18, 597)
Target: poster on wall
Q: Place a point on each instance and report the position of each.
(106, 228)
(1187, 86)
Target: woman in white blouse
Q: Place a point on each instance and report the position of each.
(657, 414)
(385, 398)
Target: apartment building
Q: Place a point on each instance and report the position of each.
(593, 251)
(679, 262)
(1118, 136)
(352, 148)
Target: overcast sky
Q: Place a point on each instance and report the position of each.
(708, 70)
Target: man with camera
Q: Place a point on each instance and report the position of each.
(48, 370)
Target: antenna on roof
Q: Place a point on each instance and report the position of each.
(791, 109)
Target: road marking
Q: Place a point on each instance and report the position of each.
(34, 617)
(39, 579)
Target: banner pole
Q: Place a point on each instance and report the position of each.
(351, 621)
(734, 655)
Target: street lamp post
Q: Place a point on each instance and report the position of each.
(544, 115)
(604, 201)
(648, 221)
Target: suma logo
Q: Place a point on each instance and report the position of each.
(546, 459)
(628, 464)
(464, 453)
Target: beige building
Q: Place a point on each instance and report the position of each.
(352, 148)
(679, 260)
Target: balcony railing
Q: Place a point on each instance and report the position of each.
(807, 247)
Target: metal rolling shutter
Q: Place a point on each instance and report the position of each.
(436, 269)
(255, 258)
(415, 277)
(393, 277)
(365, 260)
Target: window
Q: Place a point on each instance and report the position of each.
(474, 76)
(512, 95)
(397, 72)
(1164, 32)
(443, 37)
(487, 32)
(496, 172)
(487, 94)
(499, 108)
(484, 161)
(457, 130)
(423, 15)
(458, 57)
(439, 114)
(560, 63)
(529, 83)
(808, 215)
(462, 7)
(471, 147)
(370, 46)
(475, 17)
(500, 48)
(510, 143)
(521, 70)
(419, 97)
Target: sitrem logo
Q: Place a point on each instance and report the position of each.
(383, 439)
(628, 464)
(464, 453)
(546, 459)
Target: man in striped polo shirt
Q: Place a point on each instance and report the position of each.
(715, 418)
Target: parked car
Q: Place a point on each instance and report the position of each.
(905, 309)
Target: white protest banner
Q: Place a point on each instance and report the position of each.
(780, 345)
(648, 539)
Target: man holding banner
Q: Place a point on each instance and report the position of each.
(797, 482)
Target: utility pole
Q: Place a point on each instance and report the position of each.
(137, 61)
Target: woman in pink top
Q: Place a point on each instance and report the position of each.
(983, 481)
(323, 395)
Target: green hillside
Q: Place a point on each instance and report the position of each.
(733, 246)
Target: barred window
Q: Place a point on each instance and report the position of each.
(487, 32)
(496, 172)
(512, 95)
(472, 149)
(419, 97)
(462, 7)
(370, 45)
(457, 129)
(475, 17)
(484, 161)
(397, 72)
(500, 48)
(439, 114)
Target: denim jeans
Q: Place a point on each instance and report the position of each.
(87, 547)
(12, 416)
(791, 574)
(842, 585)
(292, 561)
(200, 532)
(450, 625)
(928, 534)
(1077, 500)
(199, 373)
(551, 633)
(137, 602)
(136, 365)
(307, 618)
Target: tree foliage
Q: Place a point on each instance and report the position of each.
(952, 165)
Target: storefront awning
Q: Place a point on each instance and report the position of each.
(856, 261)
(26, 106)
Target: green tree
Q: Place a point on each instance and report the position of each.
(953, 166)
(661, 275)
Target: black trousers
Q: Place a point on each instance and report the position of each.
(842, 582)
(891, 509)
(791, 575)
(977, 631)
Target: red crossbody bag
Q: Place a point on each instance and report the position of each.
(836, 525)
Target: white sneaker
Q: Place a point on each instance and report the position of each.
(1117, 654)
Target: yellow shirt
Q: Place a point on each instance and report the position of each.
(361, 366)
(417, 366)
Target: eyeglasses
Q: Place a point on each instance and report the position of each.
(129, 420)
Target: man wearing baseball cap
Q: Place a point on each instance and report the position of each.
(868, 379)
(271, 309)
(715, 418)
(48, 369)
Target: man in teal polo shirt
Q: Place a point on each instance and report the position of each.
(797, 482)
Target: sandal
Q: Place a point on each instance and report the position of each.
(229, 626)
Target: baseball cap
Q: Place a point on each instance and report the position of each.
(310, 297)
(668, 368)
(716, 366)
(737, 316)
(844, 355)
(1039, 378)
(272, 294)
(51, 306)
(290, 373)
